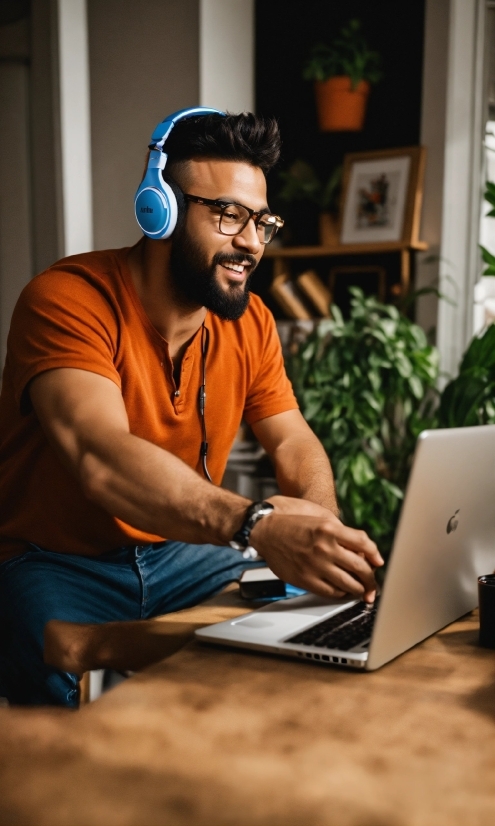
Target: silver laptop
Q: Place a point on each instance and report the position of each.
(445, 540)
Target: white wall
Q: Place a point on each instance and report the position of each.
(144, 64)
(227, 54)
(89, 81)
(44, 125)
(75, 130)
(148, 59)
(433, 115)
(462, 179)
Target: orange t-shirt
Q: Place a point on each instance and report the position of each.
(84, 312)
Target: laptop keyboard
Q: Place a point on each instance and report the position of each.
(342, 631)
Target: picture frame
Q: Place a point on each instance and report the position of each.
(376, 274)
(382, 193)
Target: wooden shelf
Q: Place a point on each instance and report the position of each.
(281, 256)
(342, 249)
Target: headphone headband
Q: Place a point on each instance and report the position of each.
(164, 128)
(155, 204)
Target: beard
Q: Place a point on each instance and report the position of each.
(195, 281)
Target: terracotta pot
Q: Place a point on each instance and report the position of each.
(340, 107)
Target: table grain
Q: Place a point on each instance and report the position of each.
(211, 736)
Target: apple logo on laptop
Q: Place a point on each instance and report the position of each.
(453, 522)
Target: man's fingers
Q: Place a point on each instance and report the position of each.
(324, 589)
(328, 590)
(370, 597)
(356, 566)
(332, 560)
(359, 542)
(345, 582)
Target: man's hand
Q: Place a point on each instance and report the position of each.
(298, 507)
(318, 553)
(303, 541)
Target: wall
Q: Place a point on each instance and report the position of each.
(46, 171)
(285, 35)
(15, 190)
(146, 59)
(462, 189)
(433, 114)
(226, 33)
(75, 128)
(284, 39)
(144, 63)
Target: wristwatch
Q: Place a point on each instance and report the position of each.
(254, 513)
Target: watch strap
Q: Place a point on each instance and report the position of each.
(254, 513)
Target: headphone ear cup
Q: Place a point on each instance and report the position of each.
(155, 206)
(179, 198)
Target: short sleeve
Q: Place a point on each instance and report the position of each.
(271, 391)
(61, 320)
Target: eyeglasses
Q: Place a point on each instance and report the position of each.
(233, 218)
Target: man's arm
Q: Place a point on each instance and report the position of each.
(301, 464)
(303, 473)
(84, 418)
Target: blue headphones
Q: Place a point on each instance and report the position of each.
(155, 203)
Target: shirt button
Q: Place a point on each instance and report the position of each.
(177, 393)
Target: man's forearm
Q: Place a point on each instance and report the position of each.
(153, 490)
(303, 471)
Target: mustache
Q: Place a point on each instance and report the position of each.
(234, 258)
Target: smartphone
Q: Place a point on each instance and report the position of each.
(261, 583)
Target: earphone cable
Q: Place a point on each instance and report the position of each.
(205, 340)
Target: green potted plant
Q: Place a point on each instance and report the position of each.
(342, 73)
(302, 185)
(366, 387)
(469, 399)
(488, 257)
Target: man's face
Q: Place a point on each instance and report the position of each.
(210, 269)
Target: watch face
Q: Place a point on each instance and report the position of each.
(254, 513)
(262, 508)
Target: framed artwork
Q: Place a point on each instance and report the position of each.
(382, 195)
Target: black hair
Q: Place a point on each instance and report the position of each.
(245, 138)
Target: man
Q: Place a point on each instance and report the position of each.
(107, 513)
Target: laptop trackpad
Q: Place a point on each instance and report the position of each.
(309, 605)
(254, 622)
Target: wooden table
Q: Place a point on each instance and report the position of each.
(210, 737)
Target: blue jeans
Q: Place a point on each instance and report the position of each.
(127, 584)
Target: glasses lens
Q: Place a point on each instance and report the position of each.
(233, 219)
(268, 227)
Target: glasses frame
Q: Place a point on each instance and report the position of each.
(256, 216)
